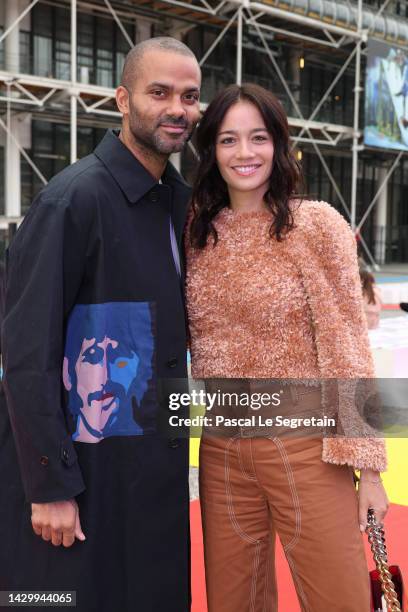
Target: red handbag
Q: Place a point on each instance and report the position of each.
(387, 587)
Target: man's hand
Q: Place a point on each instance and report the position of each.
(57, 522)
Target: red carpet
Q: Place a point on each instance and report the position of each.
(397, 539)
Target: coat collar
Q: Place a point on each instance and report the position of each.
(132, 177)
(130, 174)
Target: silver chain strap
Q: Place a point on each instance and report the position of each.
(376, 539)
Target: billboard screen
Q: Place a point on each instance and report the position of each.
(386, 97)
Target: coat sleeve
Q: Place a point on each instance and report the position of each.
(45, 265)
(332, 283)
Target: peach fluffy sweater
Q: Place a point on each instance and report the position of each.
(259, 308)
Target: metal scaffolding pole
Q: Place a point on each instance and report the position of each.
(246, 13)
(219, 37)
(356, 134)
(269, 9)
(327, 92)
(17, 20)
(12, 165)
(119, 24)
(73, 81)
(300, 115)
(12, 138)
(239, 48)
(379, 191)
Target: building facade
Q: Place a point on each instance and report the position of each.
(60, 61)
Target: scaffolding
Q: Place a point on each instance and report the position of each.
(321, 23)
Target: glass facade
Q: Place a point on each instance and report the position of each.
(101, 50)
(101, 46)
(397, 222)
(51, 153)
(23, 56)
(308, 84)
(396, 7)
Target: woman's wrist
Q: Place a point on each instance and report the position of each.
(370, 476)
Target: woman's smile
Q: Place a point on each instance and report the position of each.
(247, 170)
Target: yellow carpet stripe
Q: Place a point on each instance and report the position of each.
(395, 479)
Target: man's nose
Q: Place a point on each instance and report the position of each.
(176, 108)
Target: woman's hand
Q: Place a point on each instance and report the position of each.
(371, 494)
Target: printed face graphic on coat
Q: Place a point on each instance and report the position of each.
(104, 375)
(108, 369)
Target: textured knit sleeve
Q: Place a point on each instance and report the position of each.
(328, 261)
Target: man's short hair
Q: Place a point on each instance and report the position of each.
(135, 56)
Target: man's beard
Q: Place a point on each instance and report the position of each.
(149, 138)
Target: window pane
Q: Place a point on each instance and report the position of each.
(24, 52)
(42, 56)
(62, 60)
(62, 44)
(104, 53)
(42, 20)
(85, 48)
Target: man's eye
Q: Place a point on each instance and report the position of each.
(158, 92)
(192, 97)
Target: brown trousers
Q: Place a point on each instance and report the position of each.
(252, 488)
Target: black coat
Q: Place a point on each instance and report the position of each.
(94, 320)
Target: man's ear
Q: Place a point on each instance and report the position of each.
(65, 375)
(122, 99)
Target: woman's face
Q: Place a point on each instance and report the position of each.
(244, 150)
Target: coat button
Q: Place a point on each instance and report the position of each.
(172, 363)
(174, 443)
(65, 455)
(44, 460)
(153, 196)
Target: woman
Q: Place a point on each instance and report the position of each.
(273, 292)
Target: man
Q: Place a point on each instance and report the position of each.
(94, 301)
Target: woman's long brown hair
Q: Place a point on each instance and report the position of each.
(367, 284)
